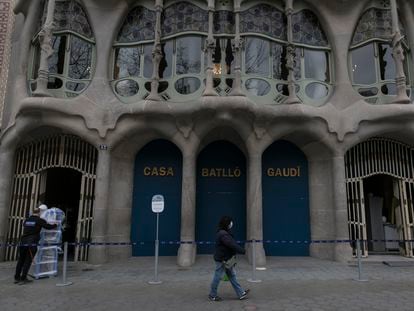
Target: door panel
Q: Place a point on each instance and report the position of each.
(285, 200)
(158, 170)
(221, 191)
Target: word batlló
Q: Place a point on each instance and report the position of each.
(158, 171)
(284, 172)
(221, 172)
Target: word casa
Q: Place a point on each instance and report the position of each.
(283, 172)
(158, 171)
(220, 172)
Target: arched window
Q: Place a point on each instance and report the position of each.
(72, 60)
(183, 28)
(133, 66)
(265, 71)
(373, 69)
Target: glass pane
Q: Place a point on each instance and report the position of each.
(298, 65)
(282, 88)
(54, 83)
(375, 23)
(257, 87)
(316, 65)
(183, 16)
(165, 69)
(280, 72)
(57, 60)
(162, 86)
(389, 89)
(363, 65)
(386, 62)
(188, 55)
(229, 57)
(257, 56)
(36, 60)
(148, 60)
(69, 15)
(307, 29)
(223, 22)
(127, 62)
(72, 86)
(187, 85)
(264, 19)
(139, 25)
(127, 88)
(316, 90)
(80, 59)
(367, 92)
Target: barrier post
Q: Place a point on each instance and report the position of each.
(359, 262)
(156, 281)
(65, 264)
(253, 279)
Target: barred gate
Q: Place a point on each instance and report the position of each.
(374, 157)
(32, 161)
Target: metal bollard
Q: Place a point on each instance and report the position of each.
(360, 279)
(65, 264)
(253, 278)
(157, 242)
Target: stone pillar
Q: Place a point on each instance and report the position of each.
(237, 89)
(6, 182)
(254, 208)
(291, 51)
(97, 254)
(46, 50)
(322, 213)
(343, 251)
(398, 55)
(209, 48)
(187, 252)
(156, 53)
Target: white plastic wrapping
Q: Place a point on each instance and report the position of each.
(46, 259)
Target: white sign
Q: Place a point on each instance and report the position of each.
(157, 203)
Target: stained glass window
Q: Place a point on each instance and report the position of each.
(307, 29)
(223, 22)
(182, 17)
(264, 19)
(69, 15)
(374, 23)
(70, 65)
(138, 26)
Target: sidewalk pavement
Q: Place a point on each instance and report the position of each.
(288, 283)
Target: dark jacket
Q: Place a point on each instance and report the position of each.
(226, 246)
(32, 227)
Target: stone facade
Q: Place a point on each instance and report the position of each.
(120, 130)
(6, 27)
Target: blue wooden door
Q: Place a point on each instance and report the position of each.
(285, 199)
(158, 170)
(221, 191)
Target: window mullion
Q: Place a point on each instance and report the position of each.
(67, 56)
(377, 64)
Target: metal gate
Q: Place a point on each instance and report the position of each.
(32, 161)
(373, 157)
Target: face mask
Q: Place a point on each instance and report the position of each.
(230, 225)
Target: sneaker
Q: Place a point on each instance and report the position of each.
(16, 280)
(244, 295)
(25, 281)
(215, 298)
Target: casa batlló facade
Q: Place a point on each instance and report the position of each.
(294, 117)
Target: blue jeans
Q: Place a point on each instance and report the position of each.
(218, 274)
